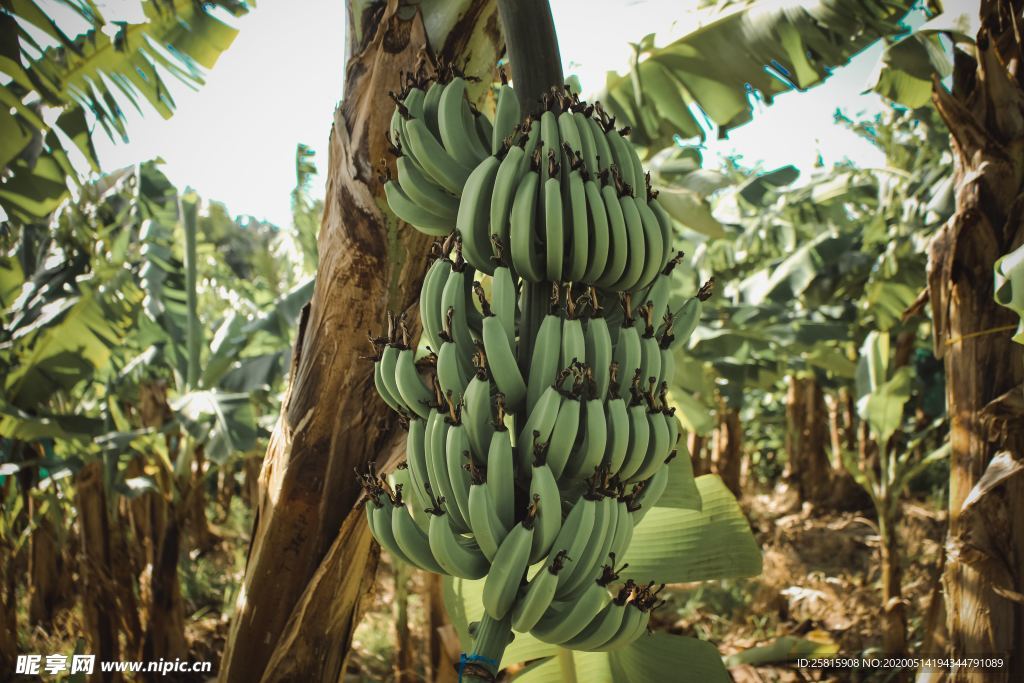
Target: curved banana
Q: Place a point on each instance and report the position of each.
(425, 192)
(561, 626)
(576, 533)
(574, 346)
(501, 475)
(483, 518)
(413, 541)
(457, 455)
(589, 151)
(506, 182)
(563, 435)
(437, 468)
(685, 321)
(569, 133)
(621, 152)
(637, 245)
(650, 495)
(657, 250)
(657, 447)
(503, 302)
(382, 388)
(585, 568)
(473, 222)
(639, 439)
(590, 453)
(501, 360)
(618, 240)
(416, 458)
(378, 518)
(544, 493)
(431, 100)
(597, 344)
(617, 419)
(599, 238)
(450, 374)
(456, 125)
(554, 234)
(544, 364)
(477, 415)
(457, 556)
(506, 116)
(435, 160)
(525, 257)
(601, 628)
(454, 299)
(538, 426)
(627, 355)
(417, 216)
(508, 569)
(538, 596)
(415, 394)
(431, 314)
(602, 151)
(550, 143)
(633, 623)
(579, 229)
(650, 357)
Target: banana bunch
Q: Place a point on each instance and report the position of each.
(562, 189)
(531, 478)
(438, 139)
(533, 450)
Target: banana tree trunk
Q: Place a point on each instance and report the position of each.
(728, 449)
(985, 543)
(45, 573)
(806, 436)
(8, 586)
(97, 558)
(310, 555)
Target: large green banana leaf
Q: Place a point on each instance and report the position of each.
(759, 47)
(93, 72)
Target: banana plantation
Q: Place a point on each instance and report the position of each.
(532, 383)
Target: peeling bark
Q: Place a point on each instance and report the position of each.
(985, 544)
(306, 531)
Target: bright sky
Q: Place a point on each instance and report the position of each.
(234, 140)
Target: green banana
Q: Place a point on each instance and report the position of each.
(539, 424)
(435, 160)
(431, 100)
(506, 181)
(563, 434)
(585, 567)
(600, 629)
(594, 428)
(685, 321)
(618, 240)
(457, 454)
(378, 518)
(477, 414)
(508, 568)
(627, 355)
(629, 630)
(546, 356)
(457, 556)
(574, 346)
(657, 447)
(602, 151)
(656, 248)
(538, 596)
(599, 239)
(425, 192)
(554, 235)
(413, 541)
(506, 115)
(576, 209)
(450, 374)
(503, 302)
(472, 222)
(577, 532)
(637, 245)
(568, 132)
(597, 344)
(621, 154)
(501, 474)
(617, 419)
(544, 493)
(483, 518)
(587, 146)
(415, 395)
(550, 143)
(456, 125)
(454, 299)
(525, 258)
(382, 388)
(431, 315)
(437, 468)
(639, 439)
(558, 627)
(419, 217)
(416, 457)
(502, 363)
